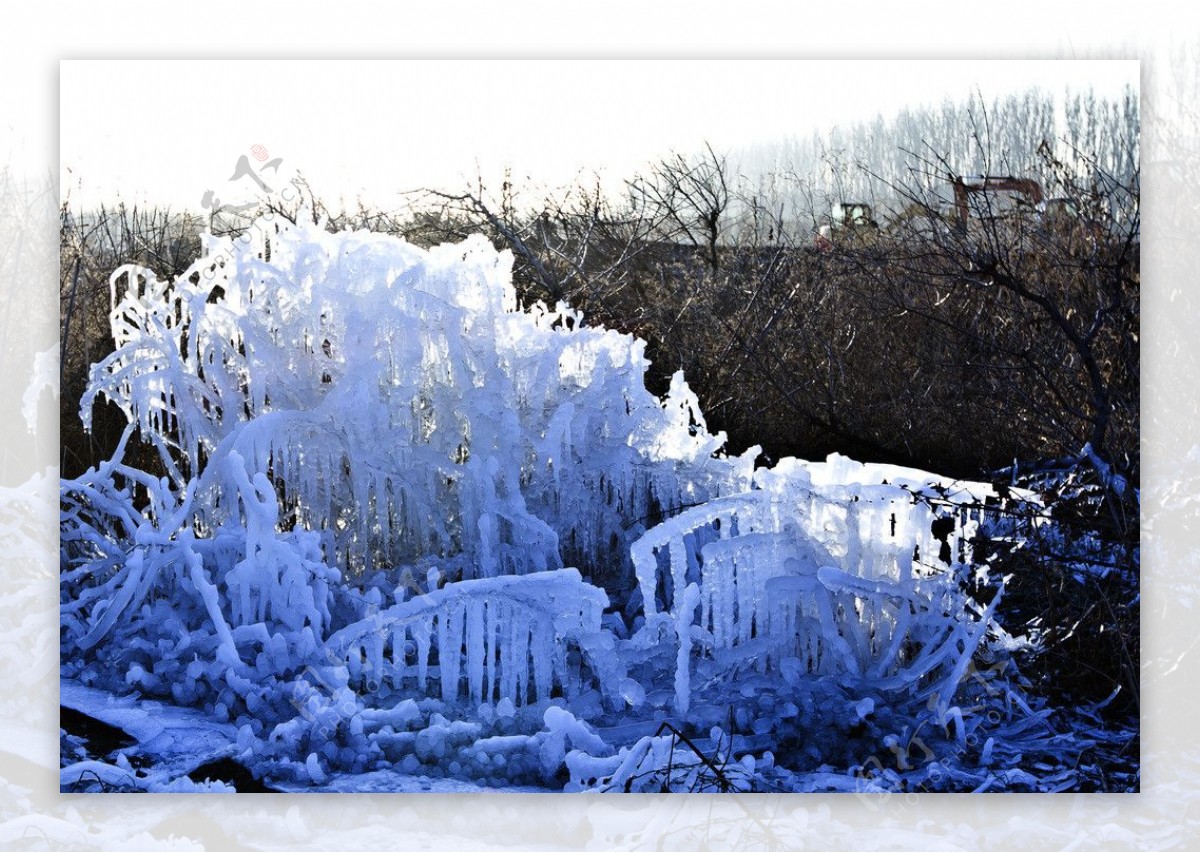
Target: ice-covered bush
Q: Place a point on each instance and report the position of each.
(399, 402)
(388, 519)
(824, 577)
(324, 405)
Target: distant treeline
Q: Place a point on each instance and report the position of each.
(796, 177)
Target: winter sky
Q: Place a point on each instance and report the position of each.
(373, 130)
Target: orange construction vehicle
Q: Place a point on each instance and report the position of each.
(1021, 200)
(1000, 197)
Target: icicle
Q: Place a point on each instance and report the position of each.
(508, 666)
(422, 635)
(518, 657)
(450, 644)
(494, 610)
(543, 650)
(678, 556)
(476, 649)
(689, 600)
(374, 660)
(399, 656)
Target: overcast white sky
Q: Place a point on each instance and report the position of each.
(164, 132)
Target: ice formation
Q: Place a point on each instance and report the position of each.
(383, 518)
(495, 638)
(399, 402)
(820, 566)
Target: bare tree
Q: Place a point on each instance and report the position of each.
(92, 244)
(691, 194)
(1040, 310)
